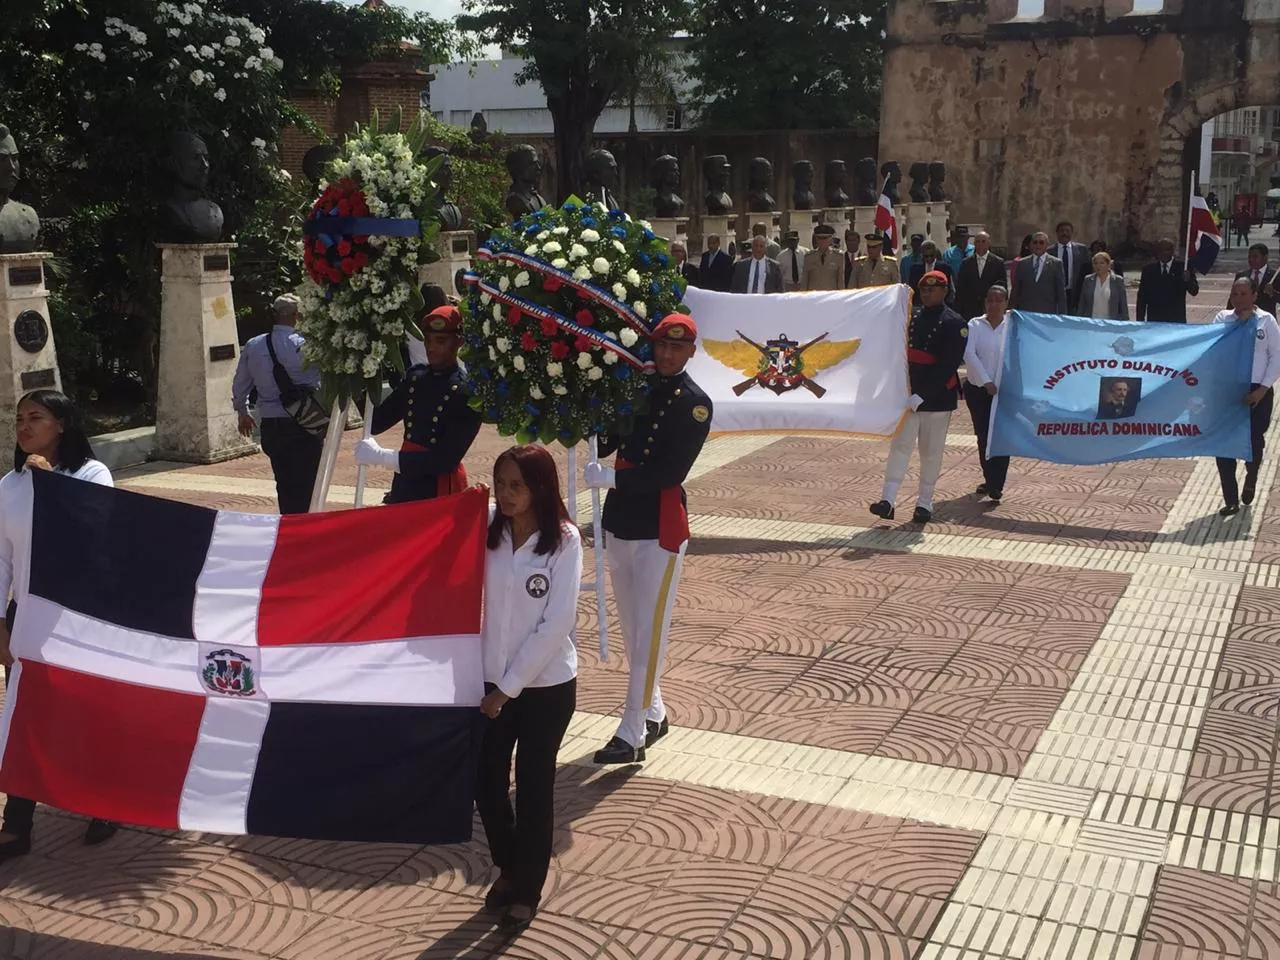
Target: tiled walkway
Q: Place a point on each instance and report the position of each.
(1044, 729)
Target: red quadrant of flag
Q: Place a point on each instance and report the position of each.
(426, 557)
(85, 743)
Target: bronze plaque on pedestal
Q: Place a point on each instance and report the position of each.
(223, 351)
(31, 331)
(25, 276)
(39, 379)
(214, 262)
(461, 245)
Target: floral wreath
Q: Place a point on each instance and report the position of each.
(557, 319)
(364, 239)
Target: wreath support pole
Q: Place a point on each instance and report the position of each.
(368, 432)
(328, 458)
(597, 538)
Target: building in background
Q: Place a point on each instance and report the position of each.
(1239, 151)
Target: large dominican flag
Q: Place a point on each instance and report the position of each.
(886, 221)
(314, 675)
(1204, 238)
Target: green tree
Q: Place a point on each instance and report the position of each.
(762, 65)
(651, 80)
(583, 53)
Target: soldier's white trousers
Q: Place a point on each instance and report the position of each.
(930, 431)
(644, 578)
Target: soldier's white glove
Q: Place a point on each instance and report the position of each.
(914, 401)
(599, 476)
(372, 454)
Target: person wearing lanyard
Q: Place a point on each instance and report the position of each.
(646, 527)
(533, 571)
(439, 426)
(983, 354)
(50, 437)
(1266, 370)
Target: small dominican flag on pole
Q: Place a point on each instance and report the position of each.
(886, 222)
(1204, 239)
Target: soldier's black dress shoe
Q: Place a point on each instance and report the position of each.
(982, 490)
(16, 847)
(515, 923)
(618, 750)
(1230, 510)
(921, 515)
(882, 509)
(1249, 489)
(995, 496)
(653, 731)
(99, 831)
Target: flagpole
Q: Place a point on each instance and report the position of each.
(368, 432)
(1191, 199)
(597, 538)
(328, 458)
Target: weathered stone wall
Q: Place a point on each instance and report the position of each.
(1090, 113)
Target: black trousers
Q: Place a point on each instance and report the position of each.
(994, 469)
(1259, 421)
(520, 839)
(295, 459)
(19, 812)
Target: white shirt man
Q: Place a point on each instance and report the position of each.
(983, 355)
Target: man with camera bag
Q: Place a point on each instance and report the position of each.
(292, 419)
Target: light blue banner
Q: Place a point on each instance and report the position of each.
(1082, 391)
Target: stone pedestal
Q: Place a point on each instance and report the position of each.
(914, 219)
(198, 355)
(456, 248)
(28, 360)
(864, 220)
(940, 223)
(802, 222)
(840, 219)
(722, 226)
(671, 228)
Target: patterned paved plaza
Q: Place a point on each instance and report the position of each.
(1044, 729)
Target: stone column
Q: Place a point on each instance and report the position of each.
(802, 222)
(939, 223)
(198, 353)
(28, 360)
(722, 226)
(864, 220)
(839, 219)
(915, 219)
(671, 228)
(456, 248)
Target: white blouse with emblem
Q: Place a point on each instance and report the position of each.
(530, 608)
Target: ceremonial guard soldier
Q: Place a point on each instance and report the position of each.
(935, 348)
(647, 527)
(875, 269)
(439, 426)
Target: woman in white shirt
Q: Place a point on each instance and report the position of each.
(983, 355)
(50, 437)
(1103, 296)
(533, 570)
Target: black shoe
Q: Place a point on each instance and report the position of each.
(882, 509)
(653, 732)
(1230, 510)
(99, 831)
(1250, 488)
(17, 847)
(995, 497)
(618, 750)
(513, 924)
(499, 898)
(982, 490)
(921, 515)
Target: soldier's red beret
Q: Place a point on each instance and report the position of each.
(934, 278)
(444, 319)
(676, 326)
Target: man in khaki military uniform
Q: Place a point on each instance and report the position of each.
(823, 267)
(875, 269)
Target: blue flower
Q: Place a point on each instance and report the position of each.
(622, 372)
(566, 433)
(503, 388)
(530, 231)
(588, 221)
(675, 289)
(619, 232)
(663, 260)
(645, 351)
(643, 258)
(570, 207)
(492, 413)
(593, 402)
(655, 287)
(532, 409)
(562, 408)
(649, 234)
(625, 408)
(482, 373)
(616, 214)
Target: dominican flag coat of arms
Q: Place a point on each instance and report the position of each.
(314, 676)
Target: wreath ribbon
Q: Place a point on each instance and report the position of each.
(328, 227)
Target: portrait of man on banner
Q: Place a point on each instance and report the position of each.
(1118, 397)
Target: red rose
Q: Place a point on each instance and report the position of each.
(360, 238)
(549, 327)
(321, 246)
(344, 248)
(585, 317)
(582, 344)
(358, 197)
(348, 266)
(362, 260)
(528, 342)
(514, 316)
(551, 284)
(559, 350)
(344, 208)
(335, 275)
(359, 209)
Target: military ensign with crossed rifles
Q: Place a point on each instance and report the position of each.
(647, 527)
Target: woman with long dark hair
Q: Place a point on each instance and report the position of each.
(51, 436)
(533, 569)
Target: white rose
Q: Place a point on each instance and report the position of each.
(502, 371)
(219, 94)
(518, 362)
(493, 354)
(522, 278)
(560, 231)
(559, 263)
(610, 357)
(629, 337)
(577, 251)
(619, 246)
(503, 284)
(554, 369)
(584, 361)
(559, 389)
(619, 291)
(258, 143)
(485, 299)
(641, 310)
(503, 344)
(589, 236)
(484, 328)
(551, 247)
(633, 278)
(595, 373)
(497, 311)
(582, 273)
(543, 235)
(206, 51)
(531, 250)
(197, 77)
(601, 265)
(534, 392)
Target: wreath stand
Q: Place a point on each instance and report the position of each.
(329, 455)
(597, 541)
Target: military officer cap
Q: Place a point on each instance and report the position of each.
(676, 326)
(791, 233)
(444, 319)
(934, 278)
(824, 230)
(873, 238)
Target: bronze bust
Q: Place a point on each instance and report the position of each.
(759, 182)
(716, 169)
(19, 225)
(864, 176)
(525, 168)
(601, 171)
(937, 174)
(802, 197)
(835, 180)
(449, 214)
(665, 178)
(891, 173)
(315, 160)
(919, 173)
(188, 216)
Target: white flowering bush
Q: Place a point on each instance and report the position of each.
(557, 319)
(366, 235)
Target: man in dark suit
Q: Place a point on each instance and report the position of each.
(851, 243)
(978, 274)
(680, 258)
(757, 273)
(1263, 276)
(715, 270)
(930, 260)
(1076, 262)
(1163, 289)
(1039, 285)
